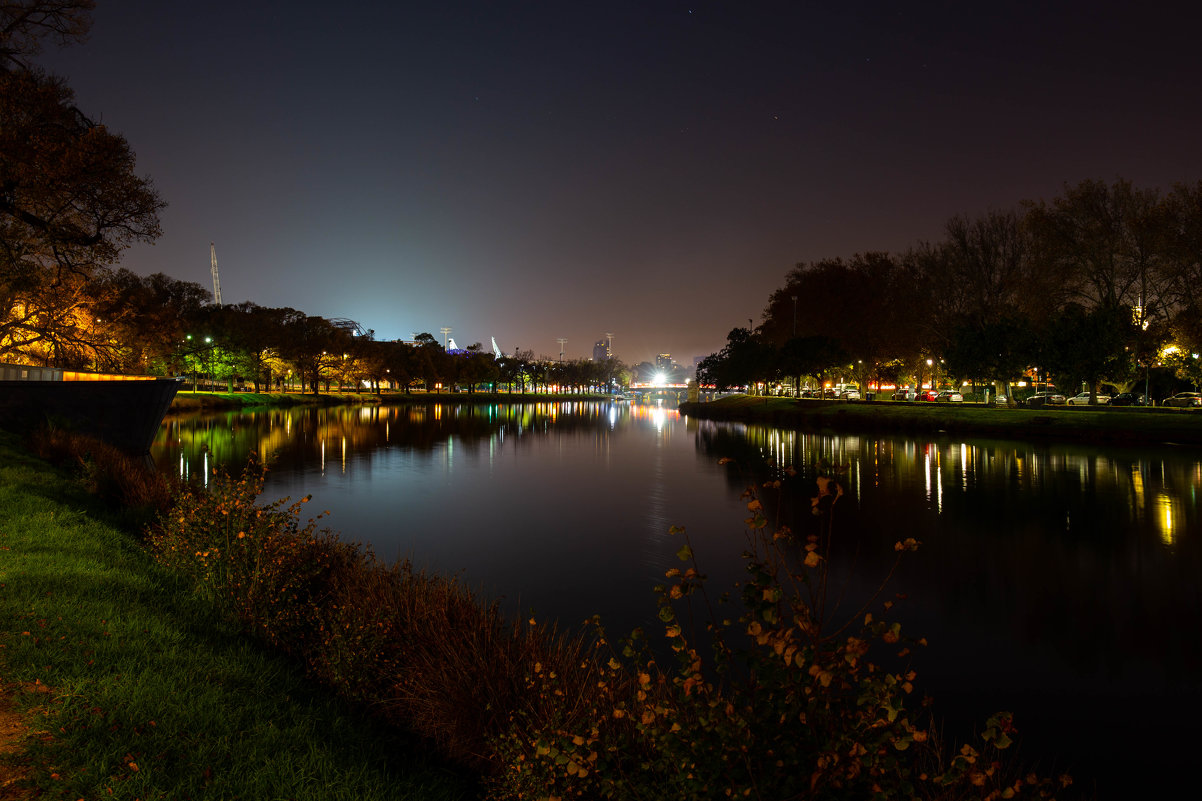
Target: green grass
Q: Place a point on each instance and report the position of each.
(186, 400)
(142, 692)
(1076, 423)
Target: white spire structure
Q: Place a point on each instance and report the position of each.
(216, 279)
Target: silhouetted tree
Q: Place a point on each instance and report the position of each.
(70, 202)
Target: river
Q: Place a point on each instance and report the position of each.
(1058, 582)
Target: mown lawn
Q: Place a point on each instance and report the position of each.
(135, 689)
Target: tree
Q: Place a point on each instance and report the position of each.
(1088, 345)
(307, 342)
(1184, 264)
(430, 361)
(70, 201)
(743, 362)
(1104, 242)
(987, 272)
(25, 24)
(141, 322)
(476, 366)
(1000, 349)
(864, 304)
(810, 356)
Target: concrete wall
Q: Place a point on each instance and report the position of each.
(126, 414)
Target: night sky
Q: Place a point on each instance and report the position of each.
(537, 170)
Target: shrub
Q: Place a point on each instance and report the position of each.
(258, 563)
(431, 657)
(419, 650)
(114, 476)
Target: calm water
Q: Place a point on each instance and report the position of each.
(1057, 582)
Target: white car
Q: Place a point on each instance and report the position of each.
(1083, 400)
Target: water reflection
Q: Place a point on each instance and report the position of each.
(1059, 582)
(1151, 489)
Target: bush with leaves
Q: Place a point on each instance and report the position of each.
(257, 562)
(778, 701)
(420, 650)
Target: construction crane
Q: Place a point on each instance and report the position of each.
(216, 279)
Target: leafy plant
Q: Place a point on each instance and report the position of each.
(258, 562)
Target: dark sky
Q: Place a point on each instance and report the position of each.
(537, 170)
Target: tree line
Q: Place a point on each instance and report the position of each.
(158, 325)
(71, 203)
(1101, 284)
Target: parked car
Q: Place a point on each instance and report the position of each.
(1045, 398)
(850, 393)
(926, 395)
(1185, 399)
(949, 396)
(904, 395)
(1129, 399)
(1083, 400)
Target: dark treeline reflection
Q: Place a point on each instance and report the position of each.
(1061, 582)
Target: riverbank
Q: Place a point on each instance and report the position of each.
(103, 637)
(204, 401)
(119, 682)
(1118, 425)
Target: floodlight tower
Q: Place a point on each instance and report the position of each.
(445, 331)
(561, 340)
(216, 279)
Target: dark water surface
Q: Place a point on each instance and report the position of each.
(1059, 582)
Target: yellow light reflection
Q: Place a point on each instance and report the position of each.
(1166, 520)
(1137, 486)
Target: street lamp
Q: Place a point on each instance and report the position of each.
(212, 376)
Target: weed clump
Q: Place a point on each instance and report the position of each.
(117, 478)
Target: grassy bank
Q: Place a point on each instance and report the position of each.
(134, 688)
(194, 401)
(1120, 425)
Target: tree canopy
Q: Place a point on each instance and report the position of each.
(70, 201)
(1084, 287)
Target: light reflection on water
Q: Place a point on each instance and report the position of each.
(1060, 582)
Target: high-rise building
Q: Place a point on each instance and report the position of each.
(601, 351)
(664, 361)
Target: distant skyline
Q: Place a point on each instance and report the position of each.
(546, 170)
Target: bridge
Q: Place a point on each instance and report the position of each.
(651, 391)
